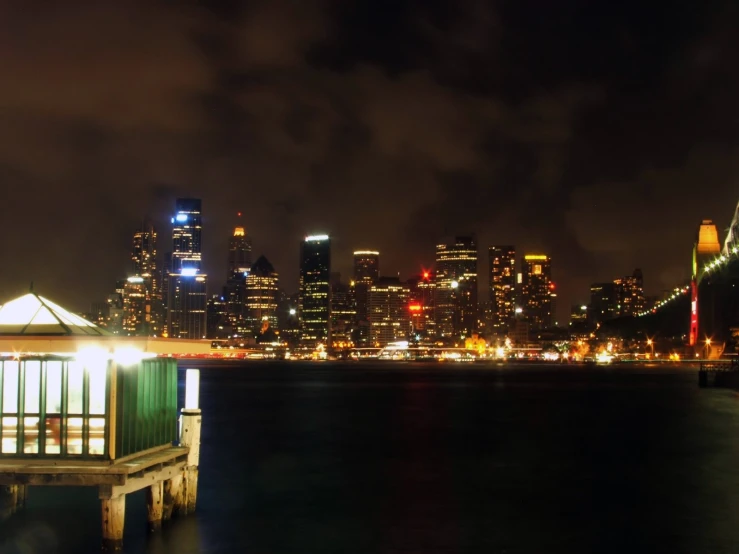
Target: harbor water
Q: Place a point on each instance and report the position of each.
(436, 458)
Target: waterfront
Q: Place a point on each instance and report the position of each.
(383, 457)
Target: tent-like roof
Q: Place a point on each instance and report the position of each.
(33, 315)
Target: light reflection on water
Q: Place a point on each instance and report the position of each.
(421, 458)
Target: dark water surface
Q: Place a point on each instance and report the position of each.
(414, 458)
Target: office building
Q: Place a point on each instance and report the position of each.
(389, 315)
(603, 302)
(630, 291)
(187, 236)
(536, 287)
(366, 272)
(187, 285)
(422, 291)
(343, 314)
(456, 304)
(239, 265)
(262, 297)
(501, 287)
(314, 309)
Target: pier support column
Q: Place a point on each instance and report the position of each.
(190, 423)
(114, 514)
(155, 505)
(169, 496)
(8, 500)
(21, 496)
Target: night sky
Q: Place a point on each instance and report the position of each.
(600, 133)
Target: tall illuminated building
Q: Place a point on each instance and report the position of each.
(239, 251)
(144, 252)
(366, 272)
(187, 235)
(630, 291)
(343, 314)
(502, 286)
(604, 298)
(536, 288)
(239, 265)
(142, 293)
(422, 292)
(186, 299)
(137, 320)
(389, 314)
(314, 300)
(262, 296)
(456, 288)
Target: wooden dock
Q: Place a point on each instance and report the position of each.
(170, 480)
(719, 373)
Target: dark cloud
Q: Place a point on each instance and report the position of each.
(600, 134)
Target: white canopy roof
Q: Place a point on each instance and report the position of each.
(35, 315)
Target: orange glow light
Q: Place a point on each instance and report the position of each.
(414, 307)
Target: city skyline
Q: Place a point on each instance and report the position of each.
(418, 116)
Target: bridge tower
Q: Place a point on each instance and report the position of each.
(705, 249)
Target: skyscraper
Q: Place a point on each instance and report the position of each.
(239, 265)
(502, 286)
(142, 294)
(536, 287)
(422, 289)
(262, 292)
(187, 300)
(366, 272)
(603, 302)
(343, 314)
(389, 314)
(186, 235)
(630, 290)
(136, 307)
(314, 308)
(456, 287)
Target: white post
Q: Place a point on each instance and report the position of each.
(190, 423)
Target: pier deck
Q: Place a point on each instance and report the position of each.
(719, 373)
(120, 477)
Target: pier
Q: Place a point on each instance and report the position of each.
(81, 407)
(719, 373)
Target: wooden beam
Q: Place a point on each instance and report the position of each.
(62, 479)
(133, 484)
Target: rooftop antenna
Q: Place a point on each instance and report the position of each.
(31, 287)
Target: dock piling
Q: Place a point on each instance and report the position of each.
(155, 505)
(114, 515)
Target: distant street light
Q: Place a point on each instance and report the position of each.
(650, 343)
(708, 348)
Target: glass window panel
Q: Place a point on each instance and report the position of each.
(30, 435)
(97, 435)
(75, 374)
(32, 372)
(53, 435)
(10, 388)
(97, 390)
(9, 435)
(74, 435)
(53, 387)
